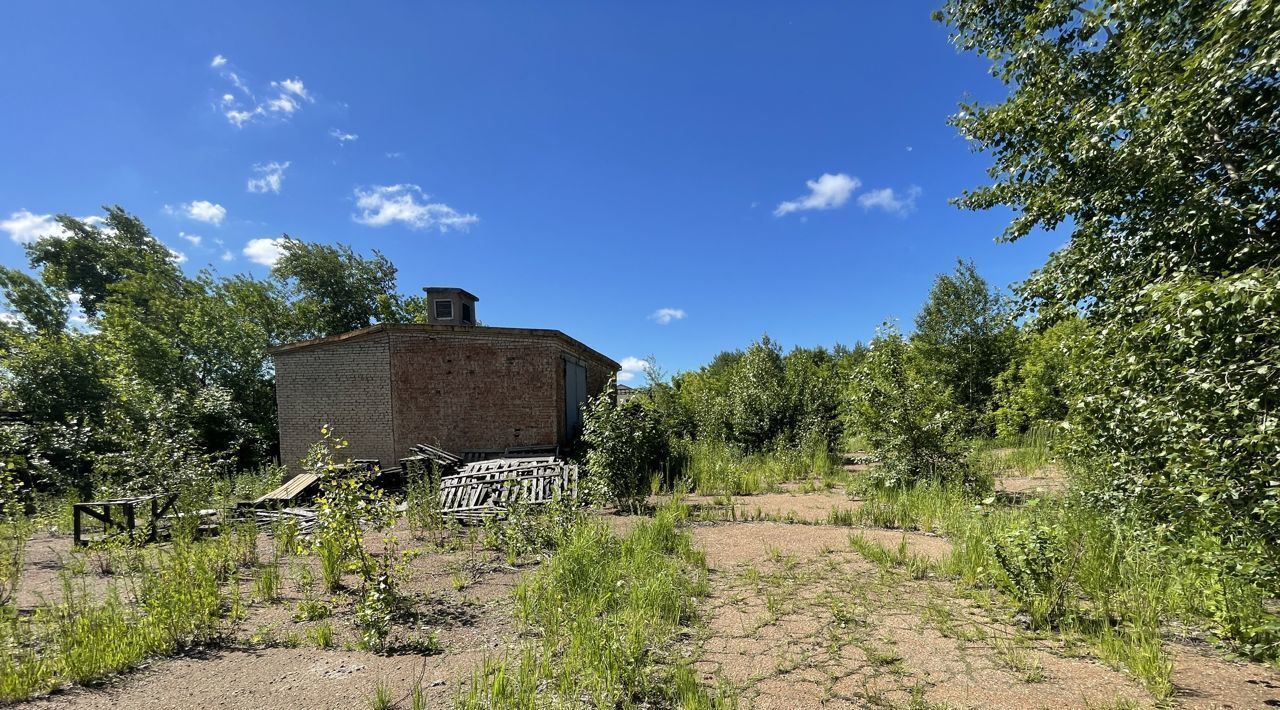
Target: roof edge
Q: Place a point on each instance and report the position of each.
(441, 328)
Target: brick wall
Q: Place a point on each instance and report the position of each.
(474, 391)
(344, 384)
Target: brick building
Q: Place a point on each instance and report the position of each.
(449, 383)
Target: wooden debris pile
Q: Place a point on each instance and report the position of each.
(425, 454)
(305, 518)
(485, 489)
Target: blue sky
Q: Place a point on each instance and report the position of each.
(748, 167)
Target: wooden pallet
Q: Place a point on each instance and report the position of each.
(440, 457)
(295, 489)
(493, 465)
(517, 452)
(490, 491)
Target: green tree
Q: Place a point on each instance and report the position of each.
(906, 416)
(757, 404)
(1150, 128)
(1033, 390)
(814, 396)
(334, 290)
(965, 337)
(91, 257)
(704, 394)
(1177, 417)
(40, 306)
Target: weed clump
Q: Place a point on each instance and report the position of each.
(602, 611)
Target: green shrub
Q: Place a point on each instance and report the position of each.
(1178, 421)
(1033, 391)
(1032, 558)
(625, 446)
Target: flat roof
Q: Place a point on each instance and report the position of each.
(451, 289)
(442, 328)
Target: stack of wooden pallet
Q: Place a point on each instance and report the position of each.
(306, 518)
(486, 489)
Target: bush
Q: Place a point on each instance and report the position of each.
(1179, 422)
(625, 446)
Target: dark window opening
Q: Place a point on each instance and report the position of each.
(444, 310)
(467, 316)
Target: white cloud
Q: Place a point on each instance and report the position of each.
(265, 250)
(270, 176)
(293, 86)
(287, 96)
(235, 80)
(890, 201)
(238, 118)
(227, 255)
(25, 227)
(825, 193)
(665, 315)
(395, 154)
(193, 238)
(282, 104)
(631, 366)
(342, 137)
(177, 257)
(200, 211)
(381, 205)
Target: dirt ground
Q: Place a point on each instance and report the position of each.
(797, 619)
(275, 678)
(463, 612)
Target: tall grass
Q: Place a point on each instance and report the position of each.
(1028, 454)
(714, 467)
(1072, 569)
(603, 612)
(178, 599)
